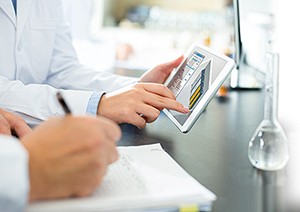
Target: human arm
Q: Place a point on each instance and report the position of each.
(36, 102)
(66, 72)
(14, 183)
(32, 74)
(69, 156)
(141, 103)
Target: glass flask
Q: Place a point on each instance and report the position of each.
(268, 148)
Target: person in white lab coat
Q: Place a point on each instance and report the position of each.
(37, 59)
(62, 157)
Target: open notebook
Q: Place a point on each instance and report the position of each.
(145, 178)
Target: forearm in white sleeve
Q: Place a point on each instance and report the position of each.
(66, 72)
(14, 180)
(38, 101)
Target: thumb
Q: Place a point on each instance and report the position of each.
(167, 68)
(174, 63)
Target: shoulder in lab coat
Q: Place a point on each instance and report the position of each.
(37, 58)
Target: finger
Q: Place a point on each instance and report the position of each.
(84, 134)
(16, 123)
(4, 126)
(149, 113)
(93, 142)
(106, 153)
(169, 66)
(159, 89)
(108, 149)
(88, 180)
(175, 62)
(21, 128)
(99, 127)
(160, 103)
(111, 128)
(137, 120)
(110, 152)
(100, 155)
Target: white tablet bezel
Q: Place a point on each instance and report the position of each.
(207, 97)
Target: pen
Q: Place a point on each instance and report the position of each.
(63, 103)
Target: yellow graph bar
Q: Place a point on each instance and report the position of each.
(195, 94)
(194, 100)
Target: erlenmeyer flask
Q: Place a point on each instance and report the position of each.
(268, 148)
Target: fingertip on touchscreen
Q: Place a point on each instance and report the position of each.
(185, 110)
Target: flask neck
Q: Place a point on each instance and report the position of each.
(271, 89)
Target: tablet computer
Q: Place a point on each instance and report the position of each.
(195, 81)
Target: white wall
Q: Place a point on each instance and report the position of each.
(256, 15)
(288, 34)
(265, 6)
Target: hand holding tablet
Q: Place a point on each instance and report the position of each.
(195, 82)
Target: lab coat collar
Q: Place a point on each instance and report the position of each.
(8, 9)
(23, 8)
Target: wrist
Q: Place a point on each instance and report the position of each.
(100, 108)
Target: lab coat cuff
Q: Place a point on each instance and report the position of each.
(77, 101)
(93, 103)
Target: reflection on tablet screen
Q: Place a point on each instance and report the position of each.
(193, 79)
(193, 91)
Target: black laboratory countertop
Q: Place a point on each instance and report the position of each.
(214, 152)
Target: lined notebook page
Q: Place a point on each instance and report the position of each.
(143, 177)
(121, 178)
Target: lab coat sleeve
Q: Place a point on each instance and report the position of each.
(34, 98)
(37, 102)
(14, 180)
(67, 73)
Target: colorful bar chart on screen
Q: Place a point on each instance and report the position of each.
(185, 73)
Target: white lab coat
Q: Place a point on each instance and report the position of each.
(37, 58)
(14, 179)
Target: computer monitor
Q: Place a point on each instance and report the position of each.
(237, 33)
(235, 75)
(243, 76)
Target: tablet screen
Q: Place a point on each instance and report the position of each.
(193, 79)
